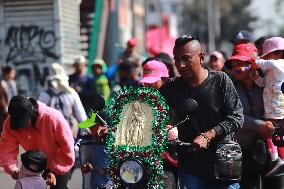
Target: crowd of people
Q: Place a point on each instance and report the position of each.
(239, 97)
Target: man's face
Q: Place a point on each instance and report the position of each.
(97, 70)
(188, 60)
(79, 67)
(130, 49)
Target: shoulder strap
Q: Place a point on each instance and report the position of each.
(50, 92)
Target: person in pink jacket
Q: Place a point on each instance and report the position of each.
(35, 126)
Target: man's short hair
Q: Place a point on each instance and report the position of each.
(184, 40)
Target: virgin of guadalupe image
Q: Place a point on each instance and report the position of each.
(134, 128)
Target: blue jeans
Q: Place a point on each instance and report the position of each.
(190, 181)
(98, 161)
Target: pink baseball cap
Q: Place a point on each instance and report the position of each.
(153, 71)
(272, 44)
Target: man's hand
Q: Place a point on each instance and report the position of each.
(15, 174)
(200, 142)
(86, 168)
(266, 129)
(51, 179)
(99, 131)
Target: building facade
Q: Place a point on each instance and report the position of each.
(36, 33)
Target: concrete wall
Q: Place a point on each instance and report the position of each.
(35, 33)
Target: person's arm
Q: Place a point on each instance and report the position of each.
(9, 149)
(252, 123)
(265, 64)
(232, 110)
(78, 108)
(264, 129)
(64, 159)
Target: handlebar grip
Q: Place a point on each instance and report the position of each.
(186, 144)
(85, 137)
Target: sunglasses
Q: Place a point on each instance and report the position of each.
(241, 69)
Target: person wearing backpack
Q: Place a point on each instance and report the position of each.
(61, 96)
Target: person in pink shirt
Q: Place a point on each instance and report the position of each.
(35, 126)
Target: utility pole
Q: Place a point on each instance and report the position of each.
(217, 25)
(211, 30)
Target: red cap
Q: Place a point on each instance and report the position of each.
(132, 42)
(246, 52)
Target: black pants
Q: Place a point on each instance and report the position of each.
(249, 181)
(273, 182)
(62, 181)
(260, 182)
(171, 176)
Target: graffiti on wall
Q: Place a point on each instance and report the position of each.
(31, 49)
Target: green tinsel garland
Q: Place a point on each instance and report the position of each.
(150, 156)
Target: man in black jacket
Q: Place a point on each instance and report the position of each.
(219, 113)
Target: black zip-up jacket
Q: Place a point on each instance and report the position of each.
(219, 107)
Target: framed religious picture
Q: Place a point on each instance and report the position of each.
(137, 119)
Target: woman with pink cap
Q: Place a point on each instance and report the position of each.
(155, 74)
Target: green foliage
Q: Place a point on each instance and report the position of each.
(233, 17)
(281, 31)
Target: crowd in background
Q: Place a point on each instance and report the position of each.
(255, 69)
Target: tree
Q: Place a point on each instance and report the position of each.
(233, 17)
